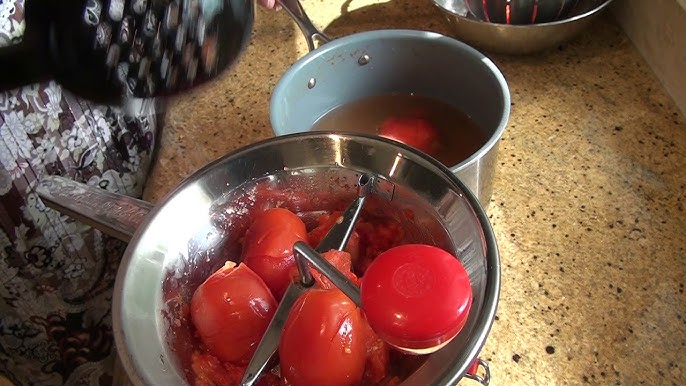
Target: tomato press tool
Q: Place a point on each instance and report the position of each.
(399, 289)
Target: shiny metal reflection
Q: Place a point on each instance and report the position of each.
(169, 255)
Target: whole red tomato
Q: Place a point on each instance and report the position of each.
(268, 247)
(416, 132)
(231, 311)
(323, 341)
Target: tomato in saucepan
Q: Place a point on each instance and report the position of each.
(416, 132)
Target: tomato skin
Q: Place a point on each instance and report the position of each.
(339, 259)
(377, 359)
(268, 247)
(323, 341)
(273, 271)
(325, 223)
(416, 297)
(231, 311)
(412, 131)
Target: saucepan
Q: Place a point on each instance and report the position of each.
(423, 63)
(175, 245)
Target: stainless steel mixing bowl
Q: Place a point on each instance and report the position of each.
(520, 11)
(174, 246)
(518, 39)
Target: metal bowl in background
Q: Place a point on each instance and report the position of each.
(518, 39)
(520, 11)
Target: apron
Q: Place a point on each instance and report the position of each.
(56, 274)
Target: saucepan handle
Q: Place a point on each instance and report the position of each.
(311, 32)
(115, 214)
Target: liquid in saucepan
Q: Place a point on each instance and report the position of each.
(458, 135)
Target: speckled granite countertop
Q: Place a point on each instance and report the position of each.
(588, 205)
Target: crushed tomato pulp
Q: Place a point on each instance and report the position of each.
(384, 365)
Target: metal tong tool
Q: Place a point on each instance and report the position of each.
(337, 238)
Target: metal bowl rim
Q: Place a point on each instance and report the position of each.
(485, 319)
(549, 24)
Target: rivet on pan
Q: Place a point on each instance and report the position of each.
(364, 59)
(311, 83)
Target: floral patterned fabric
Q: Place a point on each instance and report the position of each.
(56, 274)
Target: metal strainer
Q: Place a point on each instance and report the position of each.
(469, 26)
(173, 247)
(520, 11)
